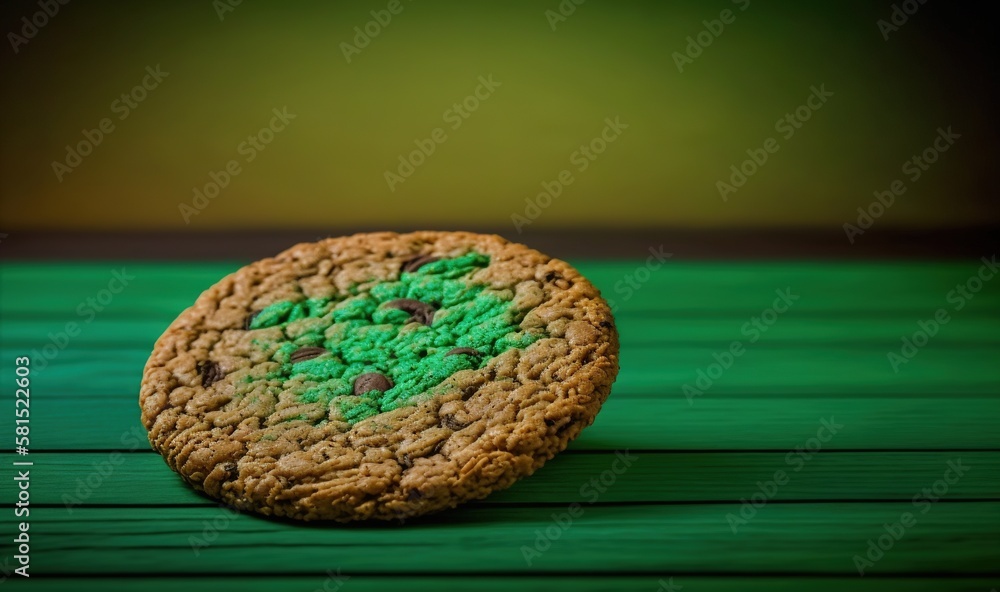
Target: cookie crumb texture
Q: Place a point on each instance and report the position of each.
(379, 376)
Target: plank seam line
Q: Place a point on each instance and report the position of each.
(541, 574)
(560, 504)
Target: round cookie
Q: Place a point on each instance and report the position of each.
(379, 376)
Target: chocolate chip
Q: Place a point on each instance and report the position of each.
(413, 495)
(550, 422)
(210, 373)
(606, 324)
(371, 381)
(451, 423)
(249, 320)
(552, 276)
(414, 263)
(306, 353)
(468, 351)
(231, 471)
(420, 312)
(468, 391)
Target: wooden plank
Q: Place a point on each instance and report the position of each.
(780, 369)
(764, 423)
(636, 331)
(952, 538)
(321, 582)
(89, 479)
(678, 288)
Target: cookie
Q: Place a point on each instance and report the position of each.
(379, 376)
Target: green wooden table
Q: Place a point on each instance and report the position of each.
(785, 467)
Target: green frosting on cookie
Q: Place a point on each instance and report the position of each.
(362, 334)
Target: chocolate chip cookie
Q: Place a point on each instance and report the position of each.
(379, 376)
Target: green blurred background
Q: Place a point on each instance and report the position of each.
(229, 66)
